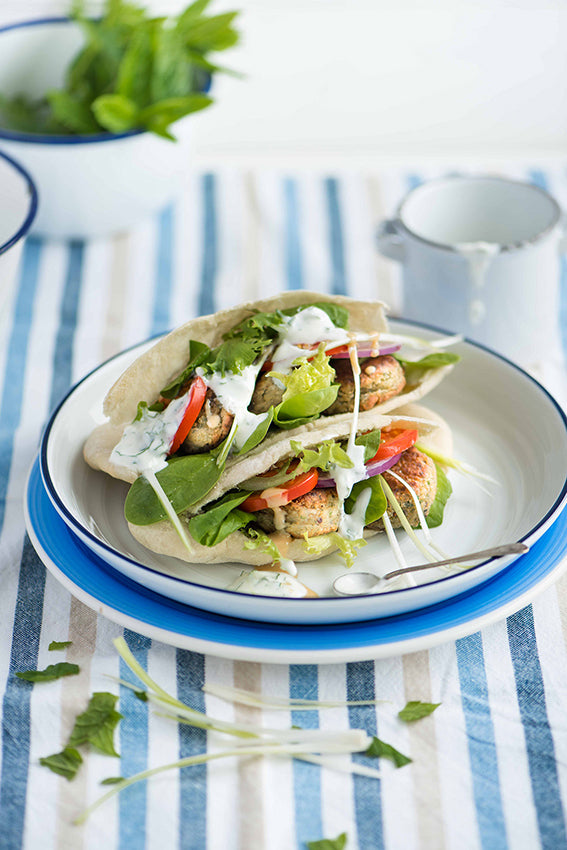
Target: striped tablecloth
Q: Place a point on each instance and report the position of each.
(489, 766)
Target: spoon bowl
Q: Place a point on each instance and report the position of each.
(356, 584)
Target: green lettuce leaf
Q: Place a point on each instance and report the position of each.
(259, 540)
(304, 408)
(323, 457)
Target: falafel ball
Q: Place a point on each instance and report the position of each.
(317, 512)
(419, 471)
(211, 427)
(381, 378)
(267, 392)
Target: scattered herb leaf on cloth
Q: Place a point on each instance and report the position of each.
(66, 763)
(59, 644)
(338, 843)
(415, 710)
(51, 672)
(379, 749)
(97, 723)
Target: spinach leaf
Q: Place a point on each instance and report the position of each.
(66, 763)
(96, 725)
(257, 434)
(379, 749)
(377, 504)
(51, 672)
(198, 353)
(59, 644)
(185, 481)
(415, 369)
(371, 442)
(304, 407)
(437, 509)
(415, 710)
(338, 843)
(221, 519)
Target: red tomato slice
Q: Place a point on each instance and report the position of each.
(340, 349)
(195, 401)
(275, 497)
(394, 443)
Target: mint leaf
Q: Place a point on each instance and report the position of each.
(116, 113)
(338, 843)
(59, 644)
(112, 780)
(141, 695)
(66, 763)
(379, 749)
(51, 672)
(415, 710)
(96, 725)
(435, 516)
(71, 112)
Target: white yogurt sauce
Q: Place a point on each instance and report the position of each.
(479, 256)
(145, 443)
(264, 583)
(234, 392)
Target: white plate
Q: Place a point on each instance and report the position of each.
(504, 422)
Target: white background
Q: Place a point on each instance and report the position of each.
(357, 81)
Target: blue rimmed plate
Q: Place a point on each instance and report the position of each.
(128, 603)
(504, 423)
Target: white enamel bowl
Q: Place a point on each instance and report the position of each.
(18, 207)
(88, 185)
(504, 422)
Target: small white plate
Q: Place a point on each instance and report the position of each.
(504, 423)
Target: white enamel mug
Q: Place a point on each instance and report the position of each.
(481, 256)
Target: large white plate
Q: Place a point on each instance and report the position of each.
(504, 422)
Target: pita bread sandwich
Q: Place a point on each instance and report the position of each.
(262, 434)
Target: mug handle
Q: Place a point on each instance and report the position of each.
(389, 241)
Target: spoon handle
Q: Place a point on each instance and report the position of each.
(495, 552)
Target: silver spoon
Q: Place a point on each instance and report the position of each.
(358, 584)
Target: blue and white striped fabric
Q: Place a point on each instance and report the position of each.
(489, 766)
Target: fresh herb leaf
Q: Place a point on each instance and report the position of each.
(141, 695)
(415, 710)
(112, 780)
(59, 644)
(116, 113)
(66, 763)
(338, 843)
(51, 672)
(377, 504)
(218, 521)
(234, 355)
(415, 369)
(96, 725)
(379, 749)
(435, 516)
(198, 353)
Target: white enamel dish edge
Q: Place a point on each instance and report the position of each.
(503, 421)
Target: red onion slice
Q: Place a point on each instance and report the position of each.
(367, 352)
(371, 468)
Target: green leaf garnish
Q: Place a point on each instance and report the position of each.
(66, 763)
(307, 375)
(338, 843)
(437, 509)
(415, 710)
(51, 672)
(219, 520)
(259, 540)
(379, 749)
(304, 408)
(59, 644)
(112, 780)
(258, 433)
(337, 314)
(96, 725)
(141, 695)
(198, 353)
(371, 443)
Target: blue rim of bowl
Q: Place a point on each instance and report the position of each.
(33, 198)
(73, 523)
(70, 139)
